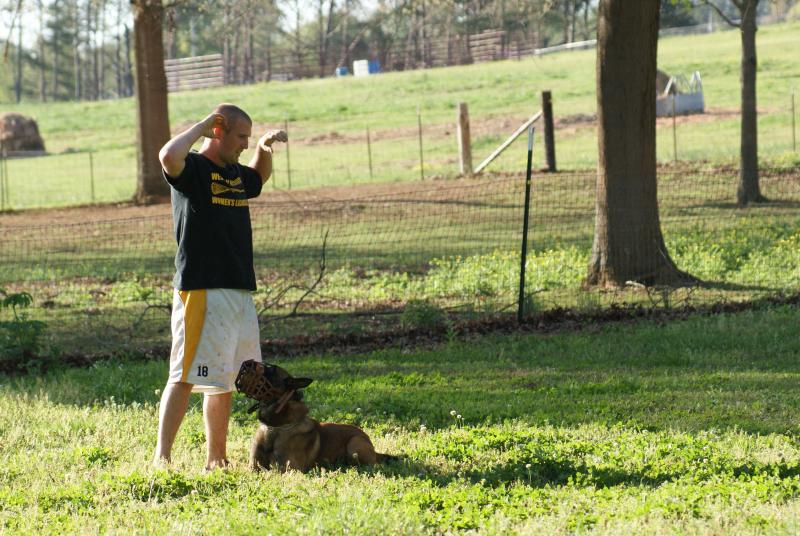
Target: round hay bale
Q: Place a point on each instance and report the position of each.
(19, 133)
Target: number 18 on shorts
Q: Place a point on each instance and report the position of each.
(213, 332)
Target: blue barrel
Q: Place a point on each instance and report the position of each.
(374, 66)
(341, 71)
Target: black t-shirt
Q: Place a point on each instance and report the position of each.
(212, 224)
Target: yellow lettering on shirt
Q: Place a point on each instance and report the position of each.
(217, 189)
(216, 176)
(225, 202)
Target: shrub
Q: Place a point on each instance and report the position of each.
(421, 314)
(20, 337)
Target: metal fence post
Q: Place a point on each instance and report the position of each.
(524, 252)
(5, 194)
(674, 132)
(421, 162)
(549, 130)
(91, 175)
(794, 137)
(288, 160)
(369, 154)
(2, 182)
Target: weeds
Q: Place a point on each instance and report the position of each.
(20, 337)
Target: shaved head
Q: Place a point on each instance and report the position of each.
(232, 114)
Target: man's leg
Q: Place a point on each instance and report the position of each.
(216, 414)
(174, 403)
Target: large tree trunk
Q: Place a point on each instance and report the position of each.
(749, 191)
(151, 99)
(628, 244)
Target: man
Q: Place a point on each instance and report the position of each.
(214, 321)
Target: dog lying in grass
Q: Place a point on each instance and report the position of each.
(289, 439)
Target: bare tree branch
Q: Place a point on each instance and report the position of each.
(307, 291)
(713, 6)
(11, 29)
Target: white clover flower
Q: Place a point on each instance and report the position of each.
(453, 412)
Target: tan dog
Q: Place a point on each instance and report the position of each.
(289, 439)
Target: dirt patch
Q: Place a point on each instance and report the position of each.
(301, 198)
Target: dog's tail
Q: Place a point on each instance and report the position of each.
(388, 458)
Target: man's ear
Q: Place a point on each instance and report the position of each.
(297, 383)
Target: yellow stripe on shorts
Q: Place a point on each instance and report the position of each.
(194, 315)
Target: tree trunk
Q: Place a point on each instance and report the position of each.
(628, 244)
(151, 99)
(18, 76)
(128, 66)
(118, 61)
(100, 66)
(42, 63)
(749, 191)
(91, 54)
(56, 53)
(76, 56)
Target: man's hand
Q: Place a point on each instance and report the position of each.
(270, 137)
(214, 125)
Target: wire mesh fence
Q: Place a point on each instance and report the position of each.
(414, 148)
(340, 262)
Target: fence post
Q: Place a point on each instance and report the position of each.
(674, 132)
(549, 130)
(288, 160)
(419, 130)
(369, 154)
(6, 197)
(2, 180)
(524, 252)
(91, 174)
(464, 141)
(794, 137)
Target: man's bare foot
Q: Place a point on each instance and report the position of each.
(160, 462)
(218, 464)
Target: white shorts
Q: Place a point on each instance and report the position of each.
(213, 332)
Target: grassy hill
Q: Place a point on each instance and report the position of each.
(328, 117)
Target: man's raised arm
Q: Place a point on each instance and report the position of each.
(173, 154)
(262, 158)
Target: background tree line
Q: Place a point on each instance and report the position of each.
(82, 49)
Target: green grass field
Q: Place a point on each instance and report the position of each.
(328, 119)
(645, 428)
(642, 428)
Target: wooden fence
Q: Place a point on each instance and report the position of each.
(195, 72)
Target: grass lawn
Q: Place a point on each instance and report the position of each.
(689, 426)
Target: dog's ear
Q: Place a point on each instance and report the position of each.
(297, 383)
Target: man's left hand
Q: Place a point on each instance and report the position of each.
(270, 137)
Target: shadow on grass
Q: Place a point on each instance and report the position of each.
(552, 472)
(732, 205)
(730, 286)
